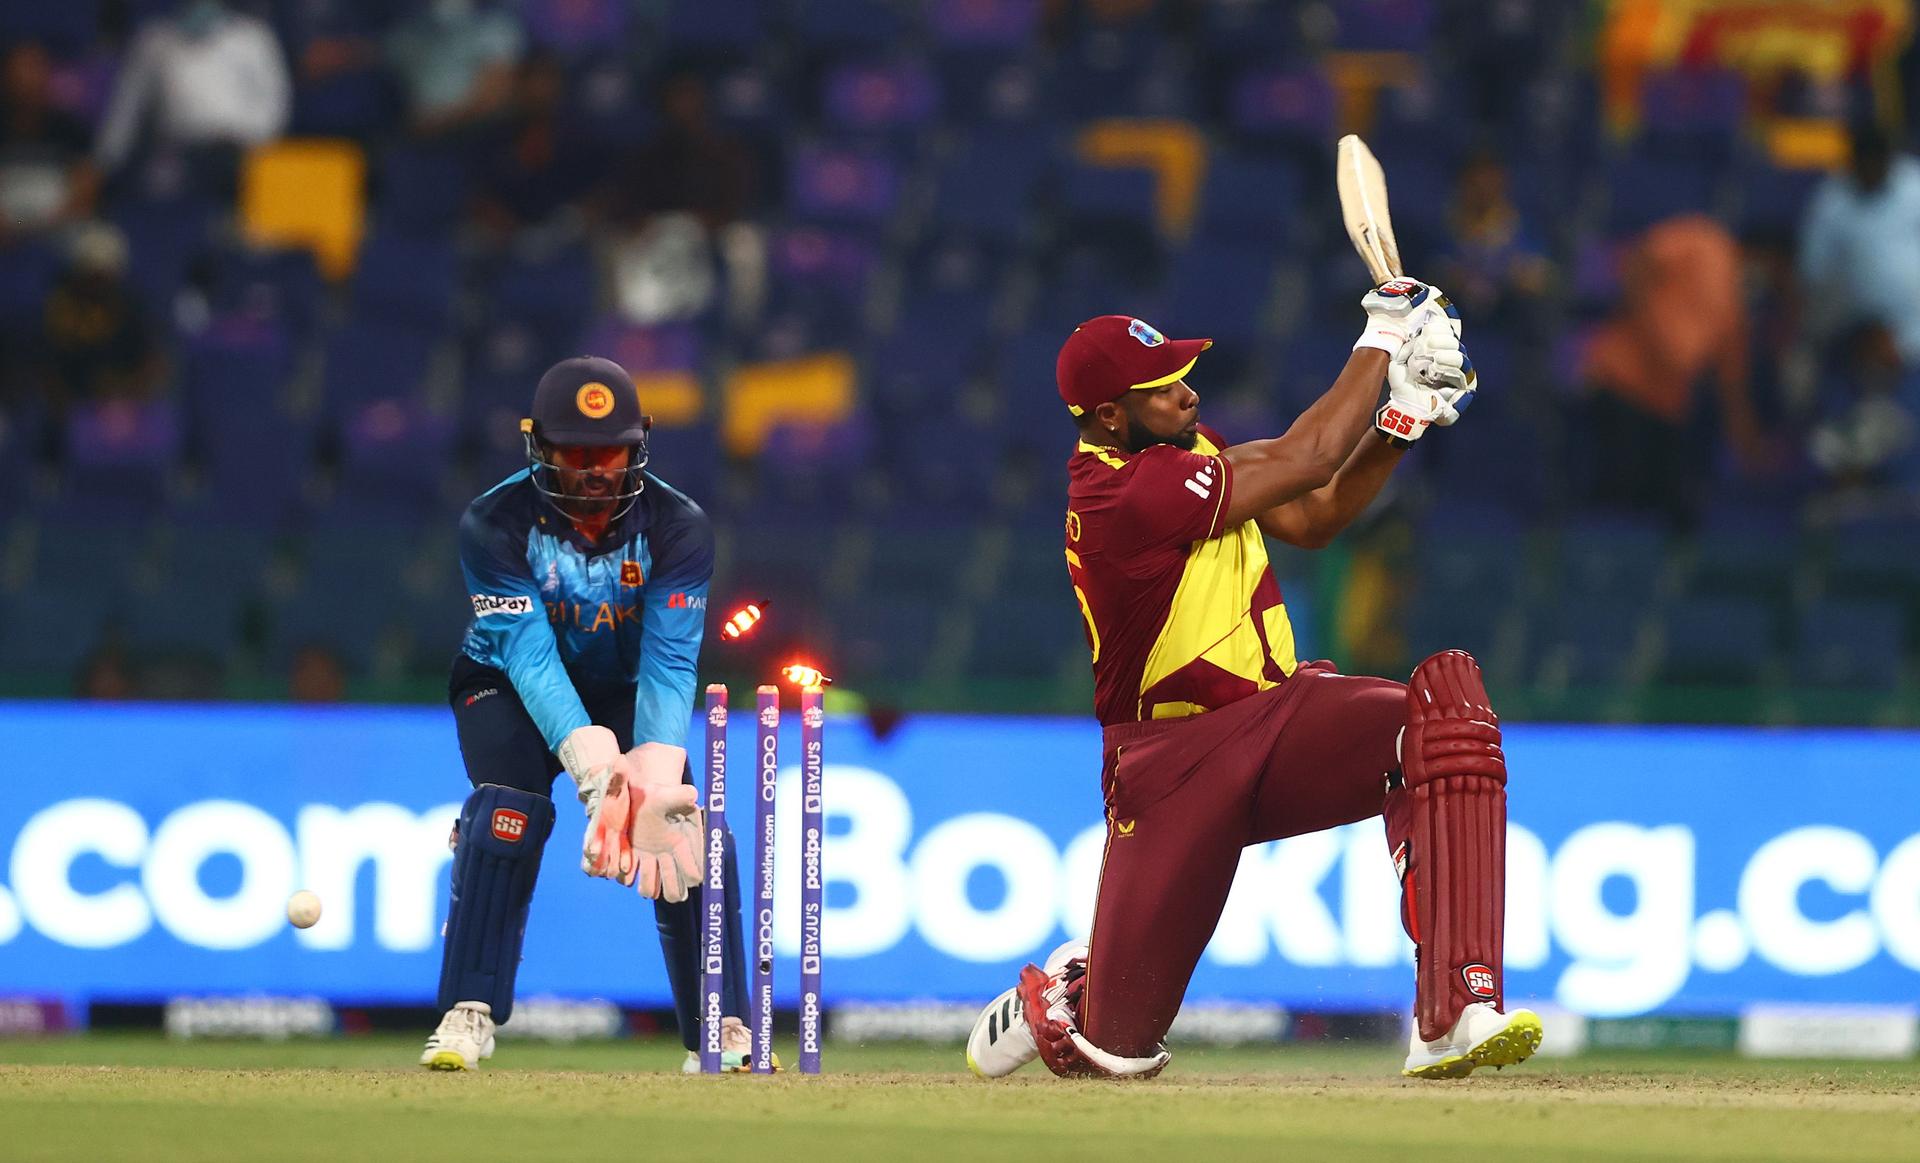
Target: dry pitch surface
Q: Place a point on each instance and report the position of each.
(106, 1097)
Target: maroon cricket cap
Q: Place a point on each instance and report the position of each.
(1107, 357)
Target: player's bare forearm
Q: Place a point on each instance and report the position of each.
(1316, 518)
(1268, 473)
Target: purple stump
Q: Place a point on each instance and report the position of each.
(760, 1000)
(713, 892)
(813, 838)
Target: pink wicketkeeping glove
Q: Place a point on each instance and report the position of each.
(665, 831)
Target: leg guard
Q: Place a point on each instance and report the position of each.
(681, 944)
(1446, 815)
(496, 859)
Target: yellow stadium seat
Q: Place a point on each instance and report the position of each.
(815, 388)
(673, 399)
(307, 192)
(1174, 150)
(1807, 143)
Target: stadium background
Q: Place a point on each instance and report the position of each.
(271, 330)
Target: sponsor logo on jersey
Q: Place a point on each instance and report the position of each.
(1479, 980)
(630, 575)
(509, 825)
(483, 693)
(1125, 827)
(488, 605)
(1401, 856)
(1145, 333)
(595, 400)
(679, 600)
(1073, 525)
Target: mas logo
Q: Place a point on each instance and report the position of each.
(595, 400)
(679, 600)
(1145, 333)
(630, 575)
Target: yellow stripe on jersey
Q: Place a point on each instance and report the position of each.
(1105, 454)
(1211, 616)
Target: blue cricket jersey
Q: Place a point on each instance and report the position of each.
(558, 614)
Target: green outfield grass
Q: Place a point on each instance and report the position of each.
(146, 1098)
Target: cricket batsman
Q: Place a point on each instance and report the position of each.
(1217, 737)
(588, 577)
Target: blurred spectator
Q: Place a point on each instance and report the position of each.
(316, 676)
(202, 84)
(1682, 319)
(538, 166)
(46, 178)
(1493, 265)
(1868, 435)
(456, 60)
(1860, 244)
(670, 200)
(96, 339)
(691, 166)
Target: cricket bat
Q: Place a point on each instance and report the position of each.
(1363, 207)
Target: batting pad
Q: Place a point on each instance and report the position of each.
(1447, 825)
(502, 832)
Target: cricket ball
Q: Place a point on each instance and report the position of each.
(303, 909)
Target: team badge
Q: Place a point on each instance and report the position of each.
(1145, 333)
(630, 575)
(1125, 827)
(595, 400)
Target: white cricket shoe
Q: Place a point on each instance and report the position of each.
(465, 1037)
(736, 1050)
(1482, 1037)
(1000, 1042)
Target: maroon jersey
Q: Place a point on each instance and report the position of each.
(1182, 612)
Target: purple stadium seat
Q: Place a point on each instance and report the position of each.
(643, 348)
(395, 444)
(835, 26)
(894, 96)
(68, 28)
(1224, 285)
(1248, 198)
(1645, 187)
(577, 26)
(552, 293)
(120, 447)
(1002, 26)
(1284, 104)
(1384, 25)
(838, 184)
(406, 279)
(28, 270)
(716, 28)
(987, 185)
(371, 359)
(1854, 645)
(814, 260)
(1693, 108)
(420, 189)
(164, 237)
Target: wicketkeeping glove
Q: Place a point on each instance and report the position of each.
(665, 831)
(601, 774)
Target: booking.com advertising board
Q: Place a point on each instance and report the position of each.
(148, 852)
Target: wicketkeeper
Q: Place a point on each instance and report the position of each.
(588, 577)
(1218, 737)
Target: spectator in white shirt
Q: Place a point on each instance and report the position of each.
(205, 82)
(1860, 247)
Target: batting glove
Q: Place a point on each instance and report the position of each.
(1397, 309)
(1426, 382)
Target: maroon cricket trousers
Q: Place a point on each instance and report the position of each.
(1184, 796)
